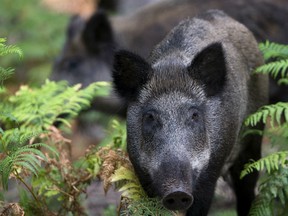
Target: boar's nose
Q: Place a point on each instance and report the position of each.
(178, 200)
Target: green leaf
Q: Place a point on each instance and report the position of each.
(51, 193)
(26, 149)
(123, 174)
(270, 162)
(29, 166)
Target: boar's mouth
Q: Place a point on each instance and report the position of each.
(174, 193)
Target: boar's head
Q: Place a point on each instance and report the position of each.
(87, 55)
(167, 120)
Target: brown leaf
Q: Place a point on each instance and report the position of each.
(11, 209)
(112, 160)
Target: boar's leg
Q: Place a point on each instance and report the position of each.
(244, 188)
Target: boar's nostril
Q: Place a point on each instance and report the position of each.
(170, 201)
(178, 200)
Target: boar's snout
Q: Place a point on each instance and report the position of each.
(178, 200)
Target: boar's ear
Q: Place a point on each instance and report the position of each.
(97, 34)
(130, 73)
(74, 27)
(209, 68)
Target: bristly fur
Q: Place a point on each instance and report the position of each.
(186, 105)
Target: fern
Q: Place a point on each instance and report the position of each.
(270, 163)
(116, 168)
(278, 67)
(35, 111)
(129, 184)
(6, 73)
(134, 199)
(261, 207)
(274, 68)
(39, 108)
(20, 155)
(9, 49)
(146, 207)
(274, 112)
(273, 50)
(283, 81)
(116, 135)
(273, 189)
(27, 120)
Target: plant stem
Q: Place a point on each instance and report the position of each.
(27, 186)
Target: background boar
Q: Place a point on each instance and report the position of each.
(86, 59)
(186, 105)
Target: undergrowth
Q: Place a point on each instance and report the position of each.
(34, 151)
(273, 187)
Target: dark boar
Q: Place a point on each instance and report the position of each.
(85, 53)
(88, 57)
(142, 30)
(186, 105)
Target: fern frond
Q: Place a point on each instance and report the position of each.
(17, 137)
(136, 201)
(274, 68)
(251, 132)
(273, 111)
(261, 207)
(123, 174)
(280, 65)
(129, 183)
(5, 73)
(273, 188)
(147, 207)
(28, 150)
(6, 165)
(30, 166)
(10, 49)
(282, 81)
(39, 113)
(19, 154)
(270, 163)
(118, 170)
(273, 50)
(27, 157)
(4, 116)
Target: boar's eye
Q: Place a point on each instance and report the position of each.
(150, 121)
(193, 117)
(70, 64)
(148, 118)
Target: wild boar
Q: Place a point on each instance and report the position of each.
(140, 31)
(186, 104)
